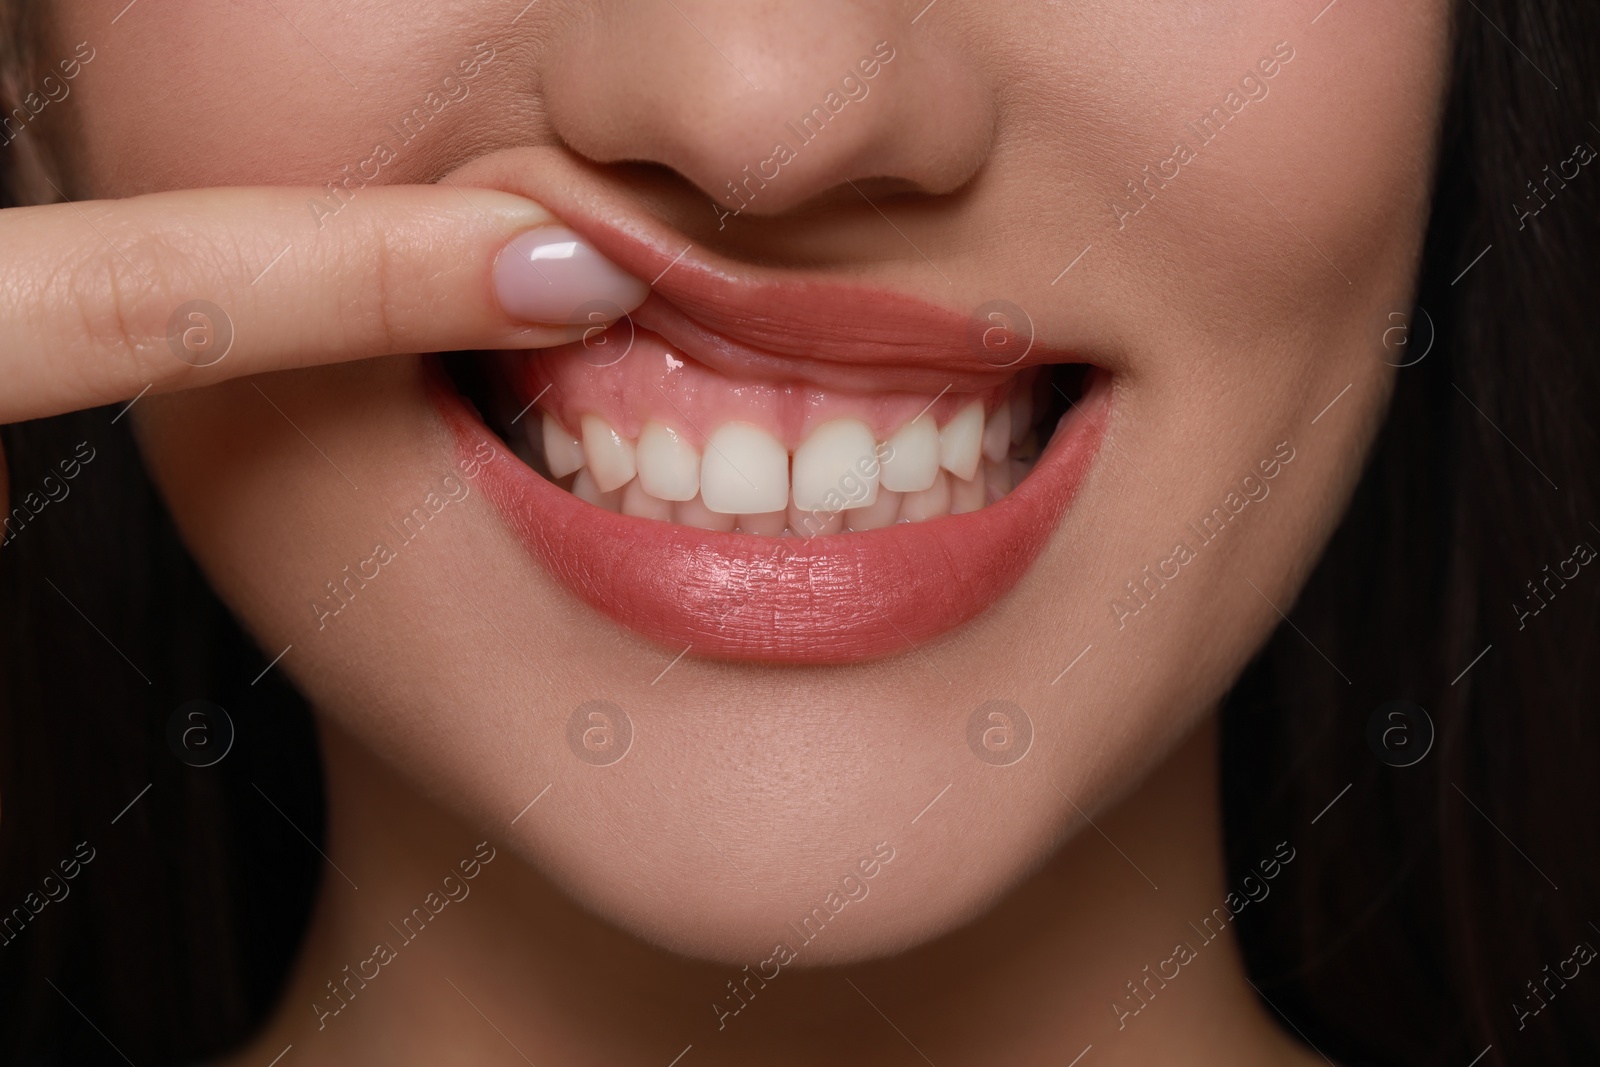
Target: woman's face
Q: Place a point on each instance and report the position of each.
(1217, 206)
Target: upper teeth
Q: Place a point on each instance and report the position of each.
(669, 466)
(745, 472)
(609, 455)
(563, 452)
(837, 462)
(912, 456)
(961, 440)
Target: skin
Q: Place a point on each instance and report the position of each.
(1233, 309)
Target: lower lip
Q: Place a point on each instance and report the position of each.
(839, 598)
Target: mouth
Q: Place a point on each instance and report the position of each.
(799, 474)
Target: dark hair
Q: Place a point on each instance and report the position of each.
(1431, 896)
(170, 899)
(1423, 900)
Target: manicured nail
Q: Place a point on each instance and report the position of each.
(551, 275)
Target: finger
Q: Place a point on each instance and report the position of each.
(104, 299)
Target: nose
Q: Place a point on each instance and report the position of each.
(766, 105)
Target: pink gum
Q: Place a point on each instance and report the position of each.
(655, 382)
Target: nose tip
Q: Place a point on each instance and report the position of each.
(764, 107)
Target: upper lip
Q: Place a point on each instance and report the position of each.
(757, 322)
(750, 320)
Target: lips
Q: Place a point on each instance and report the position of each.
(761, 323)
(777, 468)
(830, 599)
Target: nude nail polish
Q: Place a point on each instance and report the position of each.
(551, 275)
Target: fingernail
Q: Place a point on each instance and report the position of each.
(551, 275)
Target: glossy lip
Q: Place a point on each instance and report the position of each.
(757, 322)
(839, 598)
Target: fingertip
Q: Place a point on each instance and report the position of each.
(551, 275)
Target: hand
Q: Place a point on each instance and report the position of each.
(105, 299)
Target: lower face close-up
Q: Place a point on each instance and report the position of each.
(955, 403)
(797, 518)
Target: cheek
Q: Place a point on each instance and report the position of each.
(1342, 169)
(192, 93)
(1249, 212)
(1247, 287)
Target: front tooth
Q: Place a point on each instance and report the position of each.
(745, 471)
(911, 456)
(883, 512)
(930, 503)
(609, 455)
(695, 513)
(997, 434)
(636, 501)
(961, 441)
(968, 494)
(563, 453)
(584, 488)
(669, 466)
(829, 466)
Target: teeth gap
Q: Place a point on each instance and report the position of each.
(1052, 392)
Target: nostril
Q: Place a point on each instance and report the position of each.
(890, 111)
(861, 192)
(692, 207)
